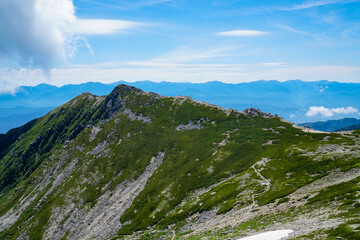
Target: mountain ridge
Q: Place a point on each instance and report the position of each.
(154, 167)
(269, 96)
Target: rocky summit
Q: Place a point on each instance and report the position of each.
(137, 165)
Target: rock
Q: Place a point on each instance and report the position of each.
(253, 112)
(189, 126)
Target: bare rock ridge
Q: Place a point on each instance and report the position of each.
(253, 112)
(115, 102)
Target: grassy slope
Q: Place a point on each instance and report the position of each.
(193, 160)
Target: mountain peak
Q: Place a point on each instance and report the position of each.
(123, 90)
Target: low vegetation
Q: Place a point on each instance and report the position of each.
(65, 165)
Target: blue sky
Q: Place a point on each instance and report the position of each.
(178, 40)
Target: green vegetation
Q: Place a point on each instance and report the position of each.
(90, 145)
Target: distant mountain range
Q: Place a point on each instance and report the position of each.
(349, 128)
(334, 125)
(290, 100)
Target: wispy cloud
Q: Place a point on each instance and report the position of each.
(186, 55)
(309, 4)
(329, 112)
(312, 4)
(296, 7)
(291, 29)
(103, 26)
(319, 38)
(242, 33)
(128, 4)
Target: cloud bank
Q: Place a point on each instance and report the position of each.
(329, 112)
(35, 33)
(42, 33)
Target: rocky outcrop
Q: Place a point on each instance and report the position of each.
(189, 126)
(254, 112)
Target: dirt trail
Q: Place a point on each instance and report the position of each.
(267, 183)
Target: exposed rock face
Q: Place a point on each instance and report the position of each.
(133, 116)
(189, 126)
(103, 220)
(253, 112)
(116, 100)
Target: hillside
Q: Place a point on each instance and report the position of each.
(332, 125)
(137, 165)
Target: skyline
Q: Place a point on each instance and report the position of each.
(63, 42)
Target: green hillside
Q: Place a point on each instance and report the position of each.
(137, 165)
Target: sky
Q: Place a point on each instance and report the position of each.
(63, 41)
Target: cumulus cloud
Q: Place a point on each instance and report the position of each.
(329, 112)
(35, 33)
(241, 33)
(43, 33)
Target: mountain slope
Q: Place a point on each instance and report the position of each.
(331, 125)
(138, 165)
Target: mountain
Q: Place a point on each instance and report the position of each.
(331, 125)
(349, 128)
(290, 100)
(138, 165)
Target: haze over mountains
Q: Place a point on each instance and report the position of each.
(290, 100)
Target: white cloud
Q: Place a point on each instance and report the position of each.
(43, 33)
(35, 33)
(295, 7)
(329, 112)
(312, 4)
(290, 29)
(347, 110)
(309, 4)
(127, 4)
(179, 58)
(242, 33)
(102, 26)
